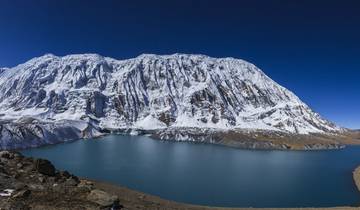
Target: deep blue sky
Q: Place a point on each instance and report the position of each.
(311, 47)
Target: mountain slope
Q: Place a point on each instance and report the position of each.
(154, 92)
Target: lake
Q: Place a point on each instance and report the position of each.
(213, 175)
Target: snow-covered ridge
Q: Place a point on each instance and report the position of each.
(154, 91)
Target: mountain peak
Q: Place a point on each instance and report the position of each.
(93, 56)
(185, 55)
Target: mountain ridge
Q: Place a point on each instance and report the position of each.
(154, 92)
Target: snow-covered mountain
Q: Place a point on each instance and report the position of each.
(154, 92)
(2, 70)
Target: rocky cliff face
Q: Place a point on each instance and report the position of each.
(29, 132)
(154, 92)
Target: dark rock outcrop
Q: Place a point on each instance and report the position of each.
(44, 167)
(28, 183)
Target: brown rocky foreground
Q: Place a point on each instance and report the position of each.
(28, 183)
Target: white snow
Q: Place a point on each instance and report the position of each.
(149, 123)
(6, 192)
(192, 89)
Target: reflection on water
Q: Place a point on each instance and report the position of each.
(213, 175)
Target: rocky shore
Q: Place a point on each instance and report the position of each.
(251, 139)
(29, 183)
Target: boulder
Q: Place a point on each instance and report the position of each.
(41, 179)
(116, 206)
(36, 187)
(86, 184)
(44, 167)
(72, 181)
(102, 198)
(22, 194)
(19, 186)
(6, 155)
(19, 165)
(65, 174)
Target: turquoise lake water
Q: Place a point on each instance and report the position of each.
(213, 175)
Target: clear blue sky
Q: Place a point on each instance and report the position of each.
(310, 47)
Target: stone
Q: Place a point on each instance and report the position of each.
(59, 188)
(36, 187)
(80, 189)
(19, 165)
(44, 167)
(19, 186)
(75, 178)
(22, 194)
(86, 184)
(116, 205)
(3, 170)
(51, 179)
(6, 155)
(102, 198)
(71, 182)
(65, 174)
(17, 175)
(41, 179)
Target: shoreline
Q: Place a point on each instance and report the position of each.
(354, 141)
(250, 139)
(236, 138)
(133, 199)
